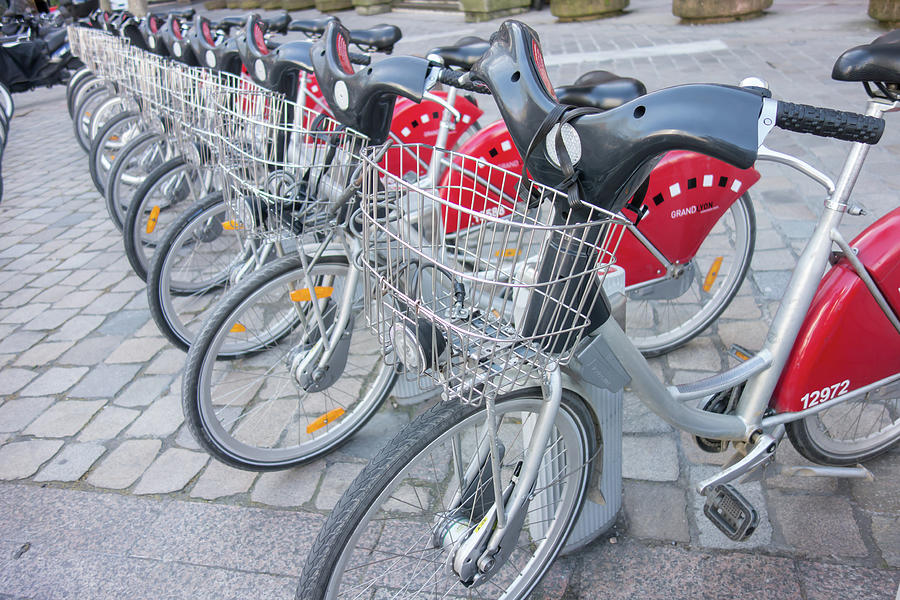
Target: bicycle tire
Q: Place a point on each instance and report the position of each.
(263, 351)
(83, 112)
(812, 437)
(7, 104)
(80, 76)
(111, 107)
(110, 139)
(129, 171)
(191, 269)
(153, 208)
(330, 554)
(659, 326)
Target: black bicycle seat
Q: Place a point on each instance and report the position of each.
(310, 26)
(187, 13)
(378, 38)
(464, 54)
(228, 23)
(600, 89)
(278, 24)
(878, 61)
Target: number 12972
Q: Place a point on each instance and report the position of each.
(825, 394)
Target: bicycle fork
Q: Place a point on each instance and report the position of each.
(476, 557)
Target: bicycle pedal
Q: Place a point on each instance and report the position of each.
(731, 513)
(740, 353)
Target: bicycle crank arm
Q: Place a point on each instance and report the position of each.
(761, 453)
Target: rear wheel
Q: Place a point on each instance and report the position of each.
(670, 313)
(264, 409)
(852, 431)
(380, 538)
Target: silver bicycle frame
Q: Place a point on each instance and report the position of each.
(763, 371)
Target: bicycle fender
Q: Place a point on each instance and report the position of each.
(493, 145)
(419, 123)
(688, 193)
(846, 341)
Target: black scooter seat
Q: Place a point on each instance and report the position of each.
(878, 61)
(55, 40)
(600, 89)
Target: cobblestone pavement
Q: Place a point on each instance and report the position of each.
(105, 494)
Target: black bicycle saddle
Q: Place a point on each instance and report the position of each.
(463, 54)
(878, 61)
(278, 24)
(600, 89)
(314, 27)
(378, 38)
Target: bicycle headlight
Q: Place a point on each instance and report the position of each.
(407, 347)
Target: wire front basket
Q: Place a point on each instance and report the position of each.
(481, 280)
(284, 165)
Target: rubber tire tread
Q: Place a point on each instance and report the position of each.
(8, 99)
(114, 172)
(804, 444)
(751, 214)
(133, 215)
(95, 148)
(200, 347)
(371, 481)
(154, 298)
(72, 92)
(76, 122)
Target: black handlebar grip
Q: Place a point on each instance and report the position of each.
(360, 59)
(452, 78)
(827, 122)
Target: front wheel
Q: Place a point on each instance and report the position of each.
(850, 432)
(156, 204)
(272, 405)
(383, 539)
(144, 154)
(108, 144)
(669, 313)
(192, 268)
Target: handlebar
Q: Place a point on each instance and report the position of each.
(462, 81)
(828, 122)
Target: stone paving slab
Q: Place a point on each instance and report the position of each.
(91, 431)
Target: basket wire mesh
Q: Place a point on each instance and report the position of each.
(283, 164)
(481, 280)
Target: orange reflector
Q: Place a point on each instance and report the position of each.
(331, 415)
(507, 253)
(238, 328)
(712, 274)
(114, 138)
(741, 355)
(231, 225)
(302, 295)
(154, 217)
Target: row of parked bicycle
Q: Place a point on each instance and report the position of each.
(315, 234)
